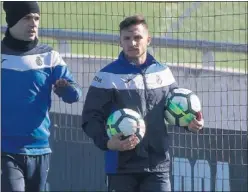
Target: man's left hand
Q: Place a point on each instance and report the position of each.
(197, 123)
(60, 85)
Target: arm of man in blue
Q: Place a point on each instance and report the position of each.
(97, 107)
(64, 84)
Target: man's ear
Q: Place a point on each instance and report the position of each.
(149, 39)
(120, 44)
(120, 41)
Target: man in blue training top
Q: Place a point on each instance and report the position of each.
(30, 71)
(138, 82)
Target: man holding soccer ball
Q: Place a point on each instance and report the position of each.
(29, 73)
(138, 82)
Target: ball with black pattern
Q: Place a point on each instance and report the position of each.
(126, 121)
(181, 107)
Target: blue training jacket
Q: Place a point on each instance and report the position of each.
(142, 89)
(27, 79)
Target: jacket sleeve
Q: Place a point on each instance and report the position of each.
(173, 86)
(171, 80)
(71, 93)
(97, 107)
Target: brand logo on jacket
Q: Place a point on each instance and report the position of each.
(3, 60)
(128, 78)
(97, 79)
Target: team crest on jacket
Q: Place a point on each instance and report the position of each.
(38, 61)
(158, 80)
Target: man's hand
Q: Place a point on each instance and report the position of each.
(116, 144)
(197, 123)
(60, 85)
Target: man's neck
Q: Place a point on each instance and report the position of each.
(137, 61)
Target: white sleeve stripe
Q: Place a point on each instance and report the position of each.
(57, 59)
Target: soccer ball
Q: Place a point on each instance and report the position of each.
(126, 121)
(181, 107)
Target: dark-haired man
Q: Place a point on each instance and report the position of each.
(132, 166)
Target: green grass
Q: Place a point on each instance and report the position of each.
(213, 21)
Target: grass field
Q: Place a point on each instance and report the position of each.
(214, 21)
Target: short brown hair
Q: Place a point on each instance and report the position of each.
(132, 20)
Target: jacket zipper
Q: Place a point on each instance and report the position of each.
(147, 109)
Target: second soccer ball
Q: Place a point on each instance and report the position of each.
(181, 107)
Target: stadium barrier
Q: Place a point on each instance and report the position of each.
(207, 47)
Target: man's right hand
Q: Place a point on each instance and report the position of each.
(116, 144)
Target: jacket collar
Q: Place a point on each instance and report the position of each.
(18, 45)
(149, 60)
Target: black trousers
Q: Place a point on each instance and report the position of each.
(139, 182)
(24, 172)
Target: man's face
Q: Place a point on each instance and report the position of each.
(134, 41)
(26, 28)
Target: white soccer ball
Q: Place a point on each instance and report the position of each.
(181, 107)
(126, 121)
